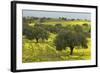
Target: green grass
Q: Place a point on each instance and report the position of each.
(67, 22)
(45, 51)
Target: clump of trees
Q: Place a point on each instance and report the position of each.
(36, 33)
(71, 37)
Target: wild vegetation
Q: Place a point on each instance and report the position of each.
(55, 39)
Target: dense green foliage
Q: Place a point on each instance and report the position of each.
(36, 32)
(71, 37)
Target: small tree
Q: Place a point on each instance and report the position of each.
(53, 28)
(27, 31)
(50, 28)
(58, 27)
(70, 38)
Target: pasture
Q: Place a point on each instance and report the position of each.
(45, 50)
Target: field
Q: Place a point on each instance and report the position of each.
(64, 22)
(45, 50)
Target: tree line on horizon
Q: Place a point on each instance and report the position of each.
(42, 19)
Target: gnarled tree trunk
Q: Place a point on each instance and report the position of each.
(36, 40)
(71, 50)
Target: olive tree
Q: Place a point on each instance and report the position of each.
(36, 33)
(71, 37)
(58, 27)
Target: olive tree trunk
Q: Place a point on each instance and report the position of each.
(36, 40)
(71, 50)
